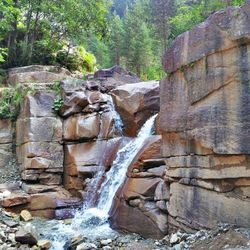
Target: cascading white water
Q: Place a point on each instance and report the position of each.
(116, 176)
(117, 118)
(92, 222)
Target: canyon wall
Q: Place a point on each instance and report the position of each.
(205, 122)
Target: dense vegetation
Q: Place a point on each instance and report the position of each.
(77, 33)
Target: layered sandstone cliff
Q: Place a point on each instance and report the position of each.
(205, 122)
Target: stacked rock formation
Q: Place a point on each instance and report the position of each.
(59, 154)
(205, 122)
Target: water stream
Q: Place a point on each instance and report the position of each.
(92, 222)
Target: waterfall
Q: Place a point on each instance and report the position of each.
(92, 222)
(116, 176)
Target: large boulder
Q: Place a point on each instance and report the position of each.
(140, 204)
(114, 77)
(81, 127)
(136, 103)
(44, 129)
(36, 74)
(38, 105)
(205, 122)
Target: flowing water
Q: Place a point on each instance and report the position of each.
(92, 222)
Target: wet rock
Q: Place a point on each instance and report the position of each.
(86, 246)
(174, 239)
(136, 103)
(44, 244)
(25, 237)
(25, 215)
(106, 242)
(11, 223)
(106, 248)
(93, 85)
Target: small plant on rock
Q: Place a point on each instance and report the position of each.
(58, 104)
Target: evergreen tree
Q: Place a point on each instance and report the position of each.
(138, 50)
(116, 39)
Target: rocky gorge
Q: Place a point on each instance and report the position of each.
(189, 171)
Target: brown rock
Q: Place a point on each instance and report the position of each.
(51, 151)
(99, 153)
(6, 133)
(44, 129)
(219, 33)
(25, 237)
(81, 127)
(206, 208)
(37, 188)
(44, 244)
(25, 215)
(115, 76)
(75, 104)
(31, 174)
(38, 105)
(73, 183)
(136, 103)
(97, 97)
(149, 223)
(50, 179)
(14, 199)
(37, 163)
(107, 125)
(36, 74)
(140, 187)
(52, 200)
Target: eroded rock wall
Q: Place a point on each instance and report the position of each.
(205, 122)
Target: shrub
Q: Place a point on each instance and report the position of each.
(10, 101)
(77, 60)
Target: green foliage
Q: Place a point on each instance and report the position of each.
(188, 15)
(33, 31)
(10, 101)
(56, 87)
(79, 59)
(57, 104)
(3, 75)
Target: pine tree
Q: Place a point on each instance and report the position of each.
(116, 39)
(138, 43)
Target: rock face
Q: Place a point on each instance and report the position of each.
(38, 137)
(37, 74)
(140, 205)
(136, 103)
(204, 119)
(115, 76)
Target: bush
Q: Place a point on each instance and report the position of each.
(78, 60)
(10, 101)
(43, 53)
(69, 61)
